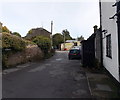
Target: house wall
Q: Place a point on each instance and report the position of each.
(111, 64)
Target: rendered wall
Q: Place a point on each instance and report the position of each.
(111, 64)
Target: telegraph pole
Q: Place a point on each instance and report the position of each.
(64, 38)
(51, 33)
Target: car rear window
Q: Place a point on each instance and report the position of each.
(74, 51)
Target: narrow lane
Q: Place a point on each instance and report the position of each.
(56, 77)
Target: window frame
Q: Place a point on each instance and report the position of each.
(108, 46)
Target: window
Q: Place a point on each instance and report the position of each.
(108, 46)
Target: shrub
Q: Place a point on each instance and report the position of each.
(43, 42)
(5, 29)
(16, 33)
(27, 42)
(12, 42)
(10, 45)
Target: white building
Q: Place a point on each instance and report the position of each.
(109, 12)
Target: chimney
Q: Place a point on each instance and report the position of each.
(95, 28)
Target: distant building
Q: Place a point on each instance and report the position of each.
(38, 32)
(69, 44)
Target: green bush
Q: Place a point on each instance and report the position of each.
(43, 42)
(16, 33)
(10, 45)
(5, 29)
(27, 42)
(12, 42)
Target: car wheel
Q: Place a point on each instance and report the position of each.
(69, 58)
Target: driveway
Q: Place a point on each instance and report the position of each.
(56, 77)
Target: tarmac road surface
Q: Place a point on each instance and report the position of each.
(56, 77)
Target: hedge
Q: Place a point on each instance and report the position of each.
(43, 42)
(27, 42)
(12, 42)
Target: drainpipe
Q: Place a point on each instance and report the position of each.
(51, 34)
(101, 41)
(118, 25)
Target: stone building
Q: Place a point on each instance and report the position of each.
(37, 32)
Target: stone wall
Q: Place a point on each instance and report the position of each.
(31, 53)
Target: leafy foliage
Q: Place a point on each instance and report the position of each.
(57, 40)
(16, 33)
(10, 45)
(66, 34)
(80, 38)
(30, 31)
(5, 29)
(43, 42)
(27, 42)
(12, 42)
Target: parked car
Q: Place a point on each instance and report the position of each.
(74, 53)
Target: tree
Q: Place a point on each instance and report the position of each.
(66, 34)
(57, 40)
(80, 38)
(5, 29)
(16, 33)
(30, 31)
(43, 42)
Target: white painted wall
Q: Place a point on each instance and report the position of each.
(112, 65)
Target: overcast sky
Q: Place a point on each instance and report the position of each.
(78, 17)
